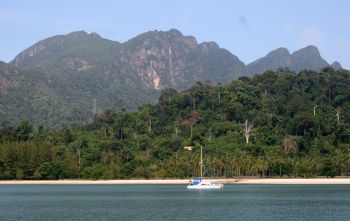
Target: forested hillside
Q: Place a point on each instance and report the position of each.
(66, 79)
(275, 124)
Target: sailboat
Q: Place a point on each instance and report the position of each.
(200, 183)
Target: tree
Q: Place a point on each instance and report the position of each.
(23, 131)
(50, 170)
(289, 144)
(338, 115)
(79, 145)
(247, 130)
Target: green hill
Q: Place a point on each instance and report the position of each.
(297, 125)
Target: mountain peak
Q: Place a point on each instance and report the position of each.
(280, 51)
(275, 59)
(209, 45)
(310, 50)
(174, 31)
(308, 58)
(77, 33)
(81, 42)
(305, 58)
(280, 54)
(336, 65)
(82, 34)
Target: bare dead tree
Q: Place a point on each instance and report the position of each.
(247, 129)
(149, 125)
(302, 87)
(337, 115)
(315, 106)
(176, 128)
(77, 146)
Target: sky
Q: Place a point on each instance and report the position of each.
(249, 29)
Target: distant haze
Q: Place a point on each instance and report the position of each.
(249, 29)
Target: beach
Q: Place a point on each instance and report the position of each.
(287, 181)
(296, 181)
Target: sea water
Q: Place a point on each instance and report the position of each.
(174, 202)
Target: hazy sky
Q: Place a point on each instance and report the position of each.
(249, 29)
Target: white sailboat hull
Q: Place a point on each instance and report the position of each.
(200, 187)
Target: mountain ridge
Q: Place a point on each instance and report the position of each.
(190, 41)
(74, 75)
(308, 57)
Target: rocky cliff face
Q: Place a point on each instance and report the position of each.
(160, 58)
(169, 59)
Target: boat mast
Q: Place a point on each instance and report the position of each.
(201, 163)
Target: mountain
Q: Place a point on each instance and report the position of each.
(79, 69)
(305, 58)
(66, 79)
(157, 59)
(90, 69)
(92, 65)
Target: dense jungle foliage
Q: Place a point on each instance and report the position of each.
(275, 124)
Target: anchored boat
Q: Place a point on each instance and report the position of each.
(200, 183)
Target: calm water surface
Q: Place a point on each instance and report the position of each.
(174, 202)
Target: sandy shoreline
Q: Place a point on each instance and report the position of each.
(296, 181)
(185, 181)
